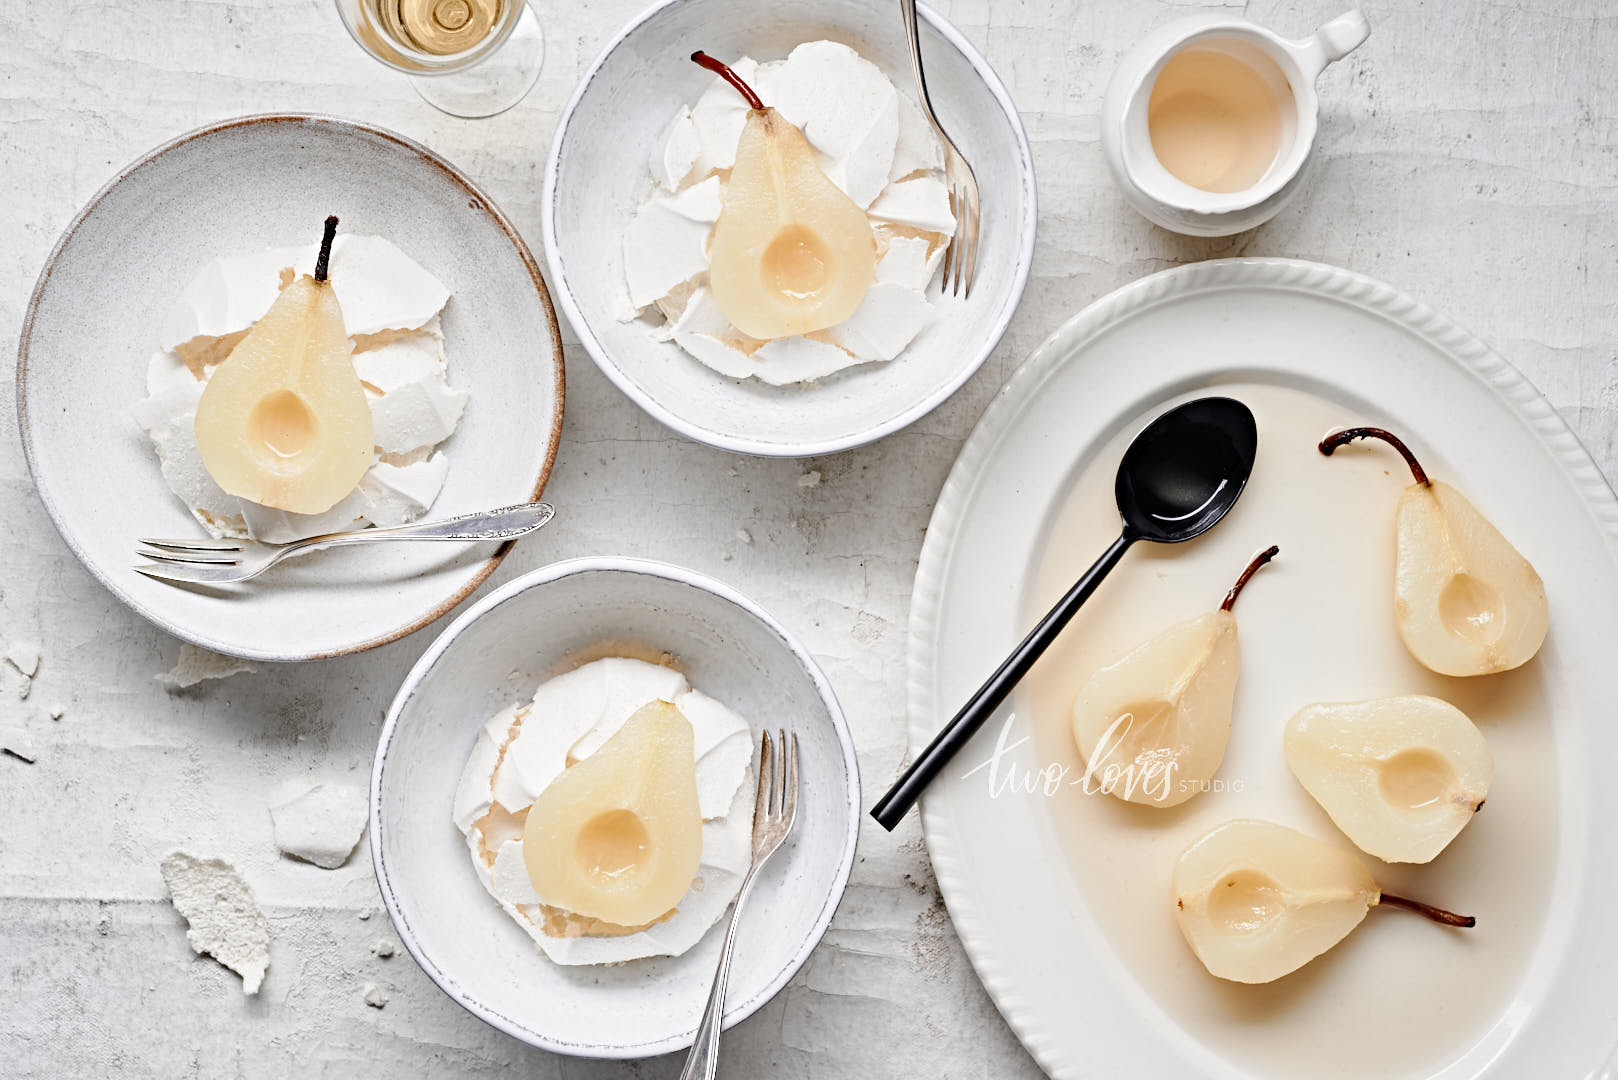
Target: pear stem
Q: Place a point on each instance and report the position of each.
(1437, 914)
(722, 69)
(1252, 568)
(1348, 435)
(324, 257)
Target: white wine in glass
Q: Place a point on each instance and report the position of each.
(467, 57)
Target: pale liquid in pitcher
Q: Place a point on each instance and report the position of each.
(1399, 995)
(1214, 120)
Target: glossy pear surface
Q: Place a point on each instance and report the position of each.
(618, 836)
(790, 254)
(1157, 719)
(1400, 776)
(1257, 901)
(283, 421)
(1467, 602)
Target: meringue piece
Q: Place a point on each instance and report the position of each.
(275, 526)
(375, 996)
(662, 249)
(677, 151)
(15, 740)
(223, 918)
(719, 116)
(910, 261)
(885, 324)
(841, 101)
(166, 371)
(723, 749)
(417, 414)
(846, 108)
(403, 359)
(922, 203)
(321, 826)
(392, 495)
(700, 202)
(508, 877)
(798, 359)
(379, 288)
(917, 149)
(474, 792)
(196, 664)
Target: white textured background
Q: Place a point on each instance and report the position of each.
(1470, 156)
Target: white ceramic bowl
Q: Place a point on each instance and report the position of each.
(496, 653)
(598, 173)
(240, 186)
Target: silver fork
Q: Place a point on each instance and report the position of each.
(204, 561)
(774, 810)
(961, 257)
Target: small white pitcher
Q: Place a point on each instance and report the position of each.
(1167, 200)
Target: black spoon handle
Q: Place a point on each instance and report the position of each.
(903, 795)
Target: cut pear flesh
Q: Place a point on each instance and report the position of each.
(790, 253)
(1152, 726)
(1256, 900)
(1466, 602)
(283, 421)
(618, 836)
(1400, 776)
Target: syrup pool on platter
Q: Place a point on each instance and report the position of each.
(795, 220)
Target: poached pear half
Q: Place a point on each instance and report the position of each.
(1401, 776)
(1256, 900)
(1152, 726)
(1465, 600)
(618, 836)
(283, 421)
(791, 253)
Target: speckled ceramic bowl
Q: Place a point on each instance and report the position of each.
(241, 186)
(593, 185)
(496, 653)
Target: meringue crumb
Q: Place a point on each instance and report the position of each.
(375, 996)
(15, 741)
(195, 665)
(223, 919)
(382, 947)
(744, 536)
(809, 479)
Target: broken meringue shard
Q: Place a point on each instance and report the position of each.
(321, 826)
(223, 918)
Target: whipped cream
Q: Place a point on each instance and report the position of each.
(521, 749)
(391, 307)
(871, 141)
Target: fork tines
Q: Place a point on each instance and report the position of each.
(777, 787)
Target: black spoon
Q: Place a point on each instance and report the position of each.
(1178, 478)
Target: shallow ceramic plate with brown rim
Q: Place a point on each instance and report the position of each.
(240, 186)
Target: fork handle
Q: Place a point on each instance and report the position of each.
(907, 9)
(703, 1062)
(506, 523)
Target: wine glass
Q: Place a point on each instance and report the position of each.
(469, 58)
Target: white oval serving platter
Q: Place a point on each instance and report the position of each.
(1090, 995)
(496, 653)
(237, 187)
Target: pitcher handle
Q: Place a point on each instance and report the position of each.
(1332, 42)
